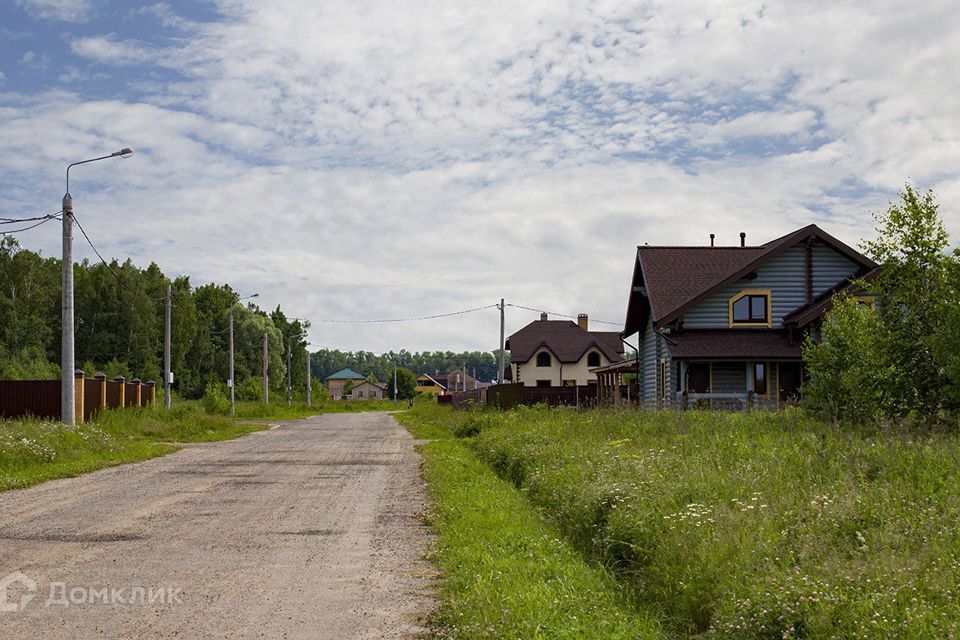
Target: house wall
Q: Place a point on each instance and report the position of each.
(653, 350)
(335, 387)
(786, 278)
(556, 372)
(369, 391)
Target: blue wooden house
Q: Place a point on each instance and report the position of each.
(727, 324)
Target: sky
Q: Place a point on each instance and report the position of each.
(379, 159)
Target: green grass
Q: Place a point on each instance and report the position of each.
(744, 526)
(32, 451)
(508, 574)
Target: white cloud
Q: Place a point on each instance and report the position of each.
(64, 10)
(372, 160)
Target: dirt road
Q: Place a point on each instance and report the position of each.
(309, 530)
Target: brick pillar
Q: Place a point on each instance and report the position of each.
(122, 400)
(151, 391)
(101, 378)
(137, 389)
(78, 395)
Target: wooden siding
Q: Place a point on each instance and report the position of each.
(785, 276)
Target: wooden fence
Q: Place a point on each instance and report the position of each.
(41, 398)
(508, 396)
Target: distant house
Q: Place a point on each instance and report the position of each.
(428, 385)
(725, 321)
(336, 382)
(367, 390)
(556, 353)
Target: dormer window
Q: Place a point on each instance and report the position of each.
(543, 359)
(593, 359)
(750, 308)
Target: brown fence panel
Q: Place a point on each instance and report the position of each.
(447, 399)
(560, 396)
(144, 395)
(113, 394)
(468, 399)
(505, 396)
(91, 398)
(39, 398)
(130, 392)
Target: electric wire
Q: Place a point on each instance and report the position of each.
(90, 242)
(562, 315)
(43, 220)
(433, 317)
(4, 220)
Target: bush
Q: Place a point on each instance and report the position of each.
(250, 389)
(215, 400)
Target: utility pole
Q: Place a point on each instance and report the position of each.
(232, 382)
(395, 394)
(266, 387)
(500, 363)
(68, 412)
(68, 398)
(289, 372)
(308, 376)
(166, 351)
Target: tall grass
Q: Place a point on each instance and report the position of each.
(747, 526)
(32, 451)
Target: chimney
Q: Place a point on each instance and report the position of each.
(743, 239)
(543, 315)
(712, 236)
(582, 321)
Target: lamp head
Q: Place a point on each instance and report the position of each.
(126, 152)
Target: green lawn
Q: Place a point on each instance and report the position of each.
(739, 526)
(507, 573)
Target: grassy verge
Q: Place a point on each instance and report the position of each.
(746, 526)
(508, 574)
(32, 451)
(297, 410)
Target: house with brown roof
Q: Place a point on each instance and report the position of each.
(556, 353)
(720, 322)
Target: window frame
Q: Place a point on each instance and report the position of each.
(766, 378)
(547, 356)
(593, 354)
(768, 322)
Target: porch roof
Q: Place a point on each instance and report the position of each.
(733, 344)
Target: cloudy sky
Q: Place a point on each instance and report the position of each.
(387, 159)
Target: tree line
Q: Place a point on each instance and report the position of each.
(119, 316)
(326, 362)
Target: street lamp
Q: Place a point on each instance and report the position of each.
(232, 382)
(67, 366)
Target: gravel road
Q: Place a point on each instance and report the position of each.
(308, 530)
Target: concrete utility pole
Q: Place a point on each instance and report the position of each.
(232, 382)
(68, 398)
(308, 376)
(266, 386)
(166, 351)
(500, 363)
(395, 390)
(289, 372)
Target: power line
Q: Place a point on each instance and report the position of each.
(4, 220)
(562, 315)
(43, 220)
(433, 317)
(79, 226)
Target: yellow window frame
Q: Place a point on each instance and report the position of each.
(743, 294)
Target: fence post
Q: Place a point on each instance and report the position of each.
(749, 401)
(151, 391)
(122, 396)
(137, 388)
(101, 378)
(78, 395)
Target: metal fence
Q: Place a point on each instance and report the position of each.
(508, 396)
(41, 398)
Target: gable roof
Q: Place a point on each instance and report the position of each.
(347, 374)
(565, 339)
(669, 280)
(806, 314)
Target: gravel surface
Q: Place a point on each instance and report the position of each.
(308, 530)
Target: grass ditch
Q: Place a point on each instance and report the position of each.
(741, 526)
(507, 573)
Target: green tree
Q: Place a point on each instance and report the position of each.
(406, 384)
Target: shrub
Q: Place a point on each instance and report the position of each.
(215, 400)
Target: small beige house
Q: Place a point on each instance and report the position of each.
(366, 390)
(337, 382)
